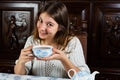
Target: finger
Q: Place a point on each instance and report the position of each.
(48, 58)
(27, 53)
(28, 48)
(26, 58)
(56, 50)
(30, 55)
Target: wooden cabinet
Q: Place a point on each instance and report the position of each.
(16, 23)
(7, 67)
(79, 21)
(104, 39)
(107, 77)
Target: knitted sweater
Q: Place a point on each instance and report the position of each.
(54, 68)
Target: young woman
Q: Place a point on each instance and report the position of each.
(52, 28)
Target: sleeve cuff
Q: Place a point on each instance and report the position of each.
(16, 61)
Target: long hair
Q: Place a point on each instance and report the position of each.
(58, 11)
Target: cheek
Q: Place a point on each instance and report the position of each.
(49, 30)
(38, 24)
(52, 30)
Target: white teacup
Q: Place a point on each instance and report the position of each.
(42, 51)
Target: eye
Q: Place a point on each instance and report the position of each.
(40, 20)
(50, 25)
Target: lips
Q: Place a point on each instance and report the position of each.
(42, 34)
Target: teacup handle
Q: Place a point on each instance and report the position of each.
(70, 71)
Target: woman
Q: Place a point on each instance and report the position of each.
(52, 29)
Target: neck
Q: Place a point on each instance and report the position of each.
(49, 42)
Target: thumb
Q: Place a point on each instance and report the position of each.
(55, 50)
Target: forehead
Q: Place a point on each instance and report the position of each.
(45, 17)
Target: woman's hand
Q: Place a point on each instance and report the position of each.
(60, 55)
(57, 55)
(26, 55)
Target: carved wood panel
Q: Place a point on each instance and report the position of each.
(105, 35)
(17, 22)
(16, 28)
(78, 16)
(79, 21)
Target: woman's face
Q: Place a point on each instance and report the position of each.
(47, 26)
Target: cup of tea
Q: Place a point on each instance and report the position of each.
(41, 51)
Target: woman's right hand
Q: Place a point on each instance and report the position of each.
(26, 55)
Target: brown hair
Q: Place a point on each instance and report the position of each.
(58, 11)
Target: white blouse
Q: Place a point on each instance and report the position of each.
(54, 68)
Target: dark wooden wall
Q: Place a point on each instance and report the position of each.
(98, 20)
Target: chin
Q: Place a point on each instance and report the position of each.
(42, 37)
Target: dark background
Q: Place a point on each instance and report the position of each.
(97, 20)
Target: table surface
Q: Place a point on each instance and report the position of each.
(7, 76)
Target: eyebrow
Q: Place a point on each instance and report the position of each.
(47, 21)
(39, 18)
